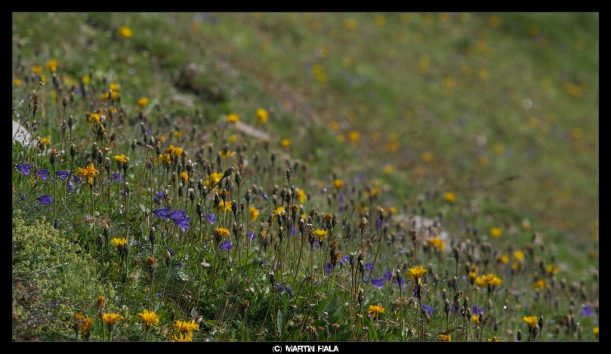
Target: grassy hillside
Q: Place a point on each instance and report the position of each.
(485, 123)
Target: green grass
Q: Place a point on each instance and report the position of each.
(488, 96)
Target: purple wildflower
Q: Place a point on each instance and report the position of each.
(225, 245)
(586, 311)
(163, 213)
(70, 186)
(316, 244)
(251, 236)
(400, 281)
(177, 215)
(428, 309)
(45, 200)
(43, 174)
(345, 260)
(180, 219)
(478, 310)
(416, 290)
(183, 223)
(368, 267)
(159, 196)
(63, 175)
(378, 282)
(116, 176)
(454, 309)
(24, 168)
(328, 268)
(379, 224)
(388, 275)
(292, 230)
(211, 218)
(283, 289)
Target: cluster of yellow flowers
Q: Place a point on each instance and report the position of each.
(184, 331)
(488, 279)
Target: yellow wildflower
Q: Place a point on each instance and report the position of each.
(125, 32)
(184, 175)
(437, 243)
(285, 143)
(488, 279)
(224, 206)
(186, 326)
(300, 194)
(279, 211)
(552, 269)
(119, 242)
(37, 69)
(165, 158)
(121, 159)
(175, 150)
(480, 281)
(110, 318)
(88, 172)
(253, 212)
(17, 82)
(213, 179)
(504, 259)
(496, 232)
(182, 337)
(374, 310)
(320, 233)
(94, 117)
(143, 102)
(44, 141)
(52, 65)
(475, 319)
(444, 337)
(148, 318)
(350, 24)
(427, 156)
(417, 272)
(518, 255)
(449, 197)
(221, 232)
(233, 118)
(531, 321)
(85, 326)
(262, 116)
(224, 153)
(338, 183)
(595, 331)
(319, 73)
(354, 136)
(539, 284)
(573, 90)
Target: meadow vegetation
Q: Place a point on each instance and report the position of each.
(303, 177)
